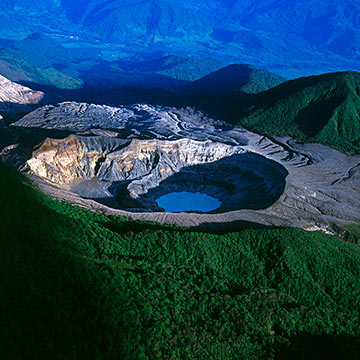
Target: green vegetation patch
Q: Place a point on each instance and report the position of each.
(79, 285)
(323, 109)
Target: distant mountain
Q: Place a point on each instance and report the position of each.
(44, 60)
(38, 59)
(120, 19)
(183, 68)
(19, 70)
(323, 109)
(42, 50)
(235, 79)
(26, 4)
(291, 39)
(169, 72)
(316, 34)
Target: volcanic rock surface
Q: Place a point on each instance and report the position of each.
(15, 98)
(129, 156)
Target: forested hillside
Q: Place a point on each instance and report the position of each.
(77, 285)
(323, 109)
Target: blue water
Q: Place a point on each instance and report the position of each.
(186, 201)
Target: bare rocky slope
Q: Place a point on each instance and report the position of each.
(127, 157)
(15, 101)
(15, 98)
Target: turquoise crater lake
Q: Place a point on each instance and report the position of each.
(187, 201)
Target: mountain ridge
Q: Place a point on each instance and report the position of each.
(234, 78)
(323, 108)
(286, 38)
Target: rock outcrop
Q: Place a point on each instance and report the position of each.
(15, 98)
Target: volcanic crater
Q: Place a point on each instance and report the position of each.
(133, 174)
(126, 158)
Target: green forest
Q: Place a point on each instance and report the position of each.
(80, 285)
(323, 109)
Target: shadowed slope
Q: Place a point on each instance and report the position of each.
(235, 79)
